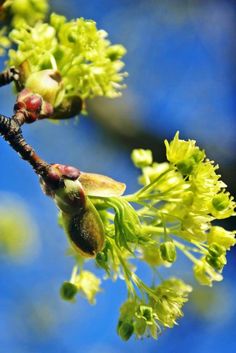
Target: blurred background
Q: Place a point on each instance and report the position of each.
(181, 65)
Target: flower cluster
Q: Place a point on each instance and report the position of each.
(163, 309)
(18, 13)
(81, 56)
(188, 196)
(172, 212)
(24, 12)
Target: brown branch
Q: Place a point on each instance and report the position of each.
(10, 75)
(11, 131)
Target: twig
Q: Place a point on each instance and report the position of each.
(11, 131)
(10, 75)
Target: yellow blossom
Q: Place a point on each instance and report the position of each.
(88, 284)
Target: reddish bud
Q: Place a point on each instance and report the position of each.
(32, 106)
(33, 103)
(56, 174)
(68, 171)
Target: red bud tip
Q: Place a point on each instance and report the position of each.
(67, 171)
(58, 172)
(33, 103)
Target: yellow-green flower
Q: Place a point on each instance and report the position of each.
(152, 255)
(205, 274)
(88, 285)
(172, 294)
(141, 158)
(26, 11)
(221, 236)
(83, 56)
(222, 205)
(184, 154)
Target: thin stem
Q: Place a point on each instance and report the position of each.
(126, 271)
(186, 252)
(157, 230)
(151, 185)
(201, 247)
(131, 276)
(74, 274)
(156, 273)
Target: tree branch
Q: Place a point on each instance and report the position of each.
(9, 75)
(11, 131)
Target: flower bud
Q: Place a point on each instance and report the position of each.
(216, 257)
(145, 312)
(66, 171)
(216, 262)
(168, 251)
(101, 259)
(70, 198)
(68, 291)
(141, 158)
(47, 83)
(222, 205)
(32, 106)
(81, 221)
(152, 255)
(85, 230)
(186, 167)
(216, 250)
(125, 330)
